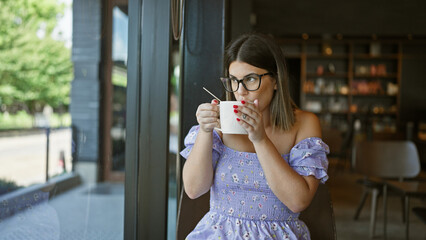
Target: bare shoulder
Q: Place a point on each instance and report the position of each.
(308, 125)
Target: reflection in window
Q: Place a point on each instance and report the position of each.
(174, 126)
(119, 81)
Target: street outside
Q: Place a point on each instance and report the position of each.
(23, 158)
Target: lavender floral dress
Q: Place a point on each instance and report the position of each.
(242, 206)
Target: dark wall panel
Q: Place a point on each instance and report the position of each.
(203, 47)
(240, 12)
(413, 89)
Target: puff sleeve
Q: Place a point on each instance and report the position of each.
(309, 157)
(190, 141)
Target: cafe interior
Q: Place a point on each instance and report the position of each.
(359, 65)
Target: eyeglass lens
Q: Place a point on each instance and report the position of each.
(250, 82)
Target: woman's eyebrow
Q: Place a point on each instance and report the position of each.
(230, 75)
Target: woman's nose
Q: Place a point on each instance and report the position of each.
(241, 89)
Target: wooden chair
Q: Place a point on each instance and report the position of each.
(380, 160)
(319, 216)
(341, 144)
(190, 212)
(420, 212)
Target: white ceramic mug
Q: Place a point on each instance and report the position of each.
(228, 119)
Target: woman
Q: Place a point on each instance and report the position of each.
(261, 181)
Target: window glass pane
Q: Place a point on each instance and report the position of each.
(119, 82)
(174, 124)
(35, 76)
(50, 98)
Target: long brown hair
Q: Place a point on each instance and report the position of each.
(261, 51)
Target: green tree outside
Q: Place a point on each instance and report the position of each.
(35, 69)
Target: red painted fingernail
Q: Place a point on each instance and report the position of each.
(235, 111)
(243, 102)
(238, 119)
(235, 106)
(215, 101)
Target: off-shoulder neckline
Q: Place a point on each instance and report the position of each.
(283, 154)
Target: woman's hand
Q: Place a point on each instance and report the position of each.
(251, 119)
(208, 116)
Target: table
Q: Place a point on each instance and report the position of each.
(407, 189)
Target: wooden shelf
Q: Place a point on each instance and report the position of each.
(347, 56)
(323, 56)
(374, 95)
(326, 95)
(374, 114)
(333, 113)
(389, 75)
(328, 75)
(381, 57)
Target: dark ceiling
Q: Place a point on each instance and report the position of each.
(360, 17)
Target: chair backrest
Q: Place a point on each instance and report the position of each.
(334, 139)
(387, 159)
(319, 216)
(190, 213)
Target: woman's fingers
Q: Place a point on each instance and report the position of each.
(250, 105)
(208, 110)
(248, 110)
(208, 107)
(251, 120)
(208, 115)
(203, 120)
(249, 116)
(247, 123)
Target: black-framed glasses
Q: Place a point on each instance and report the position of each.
(250, 82)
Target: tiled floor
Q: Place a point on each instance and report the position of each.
(346, 193)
